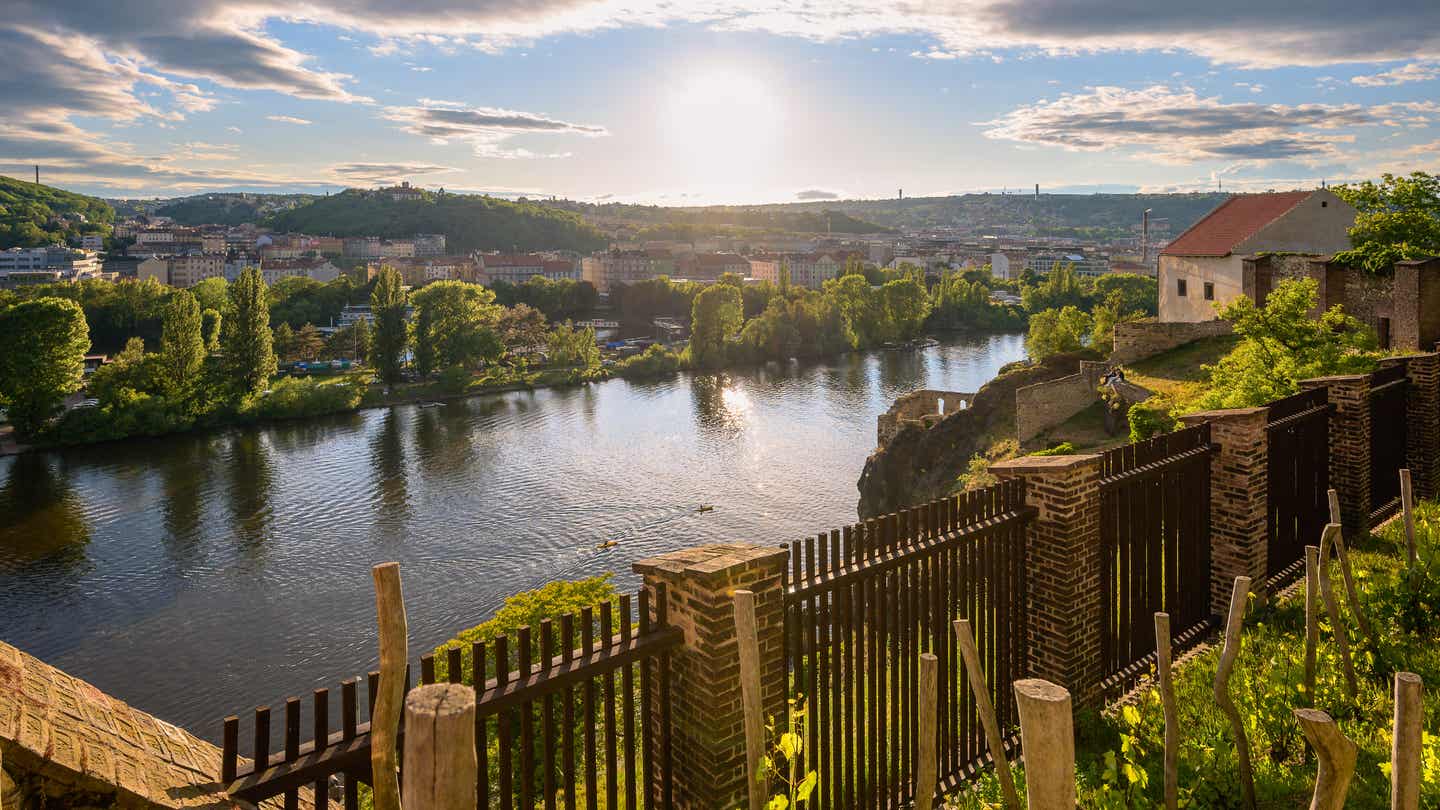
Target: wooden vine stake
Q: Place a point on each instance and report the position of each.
(1405, 745)
(1407, 505)
(1332, 608)
(1343, 555)
(1047, 736)
(385, 720)
(927, 765)
(986, 709)
(440, 770)
(1167, 701)
(748, 641)
(1233, 624)
(1312, 619)
(1337, 759)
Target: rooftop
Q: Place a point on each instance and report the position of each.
(1232, 222)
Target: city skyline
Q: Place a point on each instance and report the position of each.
(681, 104)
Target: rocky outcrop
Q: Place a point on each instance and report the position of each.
(920, 462)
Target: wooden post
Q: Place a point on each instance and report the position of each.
(986, 709)
(1337, 759)
(1405, 745)
(385, 720)
(1342, 554)
(1337, 630)
(1407, 504)
(1047, 737)
(748, 643)
(1167, 702)
(1233, 624)
(926, 765)
(1312, 619)
(440, 770)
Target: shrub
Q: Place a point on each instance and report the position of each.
(652, 362)
(299, 397)
(454, 380)
(1150, 418)
(1061, 449)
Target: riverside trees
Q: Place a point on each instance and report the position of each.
(44, 356)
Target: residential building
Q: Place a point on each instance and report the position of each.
(154, 267)
(1204, 266)
(92, 241)
(362, 247)
(191, 269)
(213, 242)
(397, 249)
(711, 266)
(1085, 264)
(319, 269)
(1007, 264)
(604, 270)
(429, 244)
(810, 270)
(416, 271)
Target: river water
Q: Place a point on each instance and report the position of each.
(199, 575)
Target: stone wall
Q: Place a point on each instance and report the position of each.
(65, 743)
(1137, 340)
(922, 408)
(1044, 405)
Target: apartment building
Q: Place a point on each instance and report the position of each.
(809, 270)
(604, 270)
(520, 268)
(711, 266)
(319, 269)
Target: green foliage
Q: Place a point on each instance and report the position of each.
(655, 361)
(1128, 292)
(454, 380)
(1281, 344)
(906, 306)
(388, 302)
(780, 766)
(130, 370)
(568, 346)
(42, 359)
(1061, 288)
(215, 209)
(1150, 418)
(33, 215)
(559, 300)
(1398, 218)
(350, 343)
(182, 348)
(297, 300)
(296, 397)
(1057, 331)
(804, 324)
(643, 301)
(959, 302)
(1061, 449)
(212, 293)
(717, 315)
(246, 340)
(455, 326)
(210, 327)
(115, 311)
(469, 222)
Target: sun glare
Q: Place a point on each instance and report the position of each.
(722, 128)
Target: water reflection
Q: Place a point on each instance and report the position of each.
(184, 479)
(251, 480)
(721, 409)
(44, 520)
(387, 466)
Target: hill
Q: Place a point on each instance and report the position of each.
(33, 214)
(681, 223)
(469, 222)
(229, 209)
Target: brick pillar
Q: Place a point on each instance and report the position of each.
(1349, 446)
(1062, 552)
(707, 729)
(1422, 416)
(1239, 500)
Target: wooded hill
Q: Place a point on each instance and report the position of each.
(469, 222)
(33, 214)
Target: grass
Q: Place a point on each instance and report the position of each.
(1179, 374)
(1118, 754)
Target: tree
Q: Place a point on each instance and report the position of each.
(906, 306)
(247, 342)
(1129, 293)
(210, 321)
(309, 343)
(1057, 331)
(1061, 288)
(717, 314)
(182, 347)
(391, 338)
(455, 326)
(568, 346)
(211, 293)
(43, 359)
(129, 372)
(1281, 343)
(860, 307)
(351, 342)
(522, 329)
(284, 342)
(1398, 218)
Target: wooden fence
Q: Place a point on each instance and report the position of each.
(1155, 547)
(1388, 437)
(861, 605)
(1298, 470)
(561, 721)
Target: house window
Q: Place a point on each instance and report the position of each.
(1209, 291)
(1180, 287)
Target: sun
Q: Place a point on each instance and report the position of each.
(721, 128)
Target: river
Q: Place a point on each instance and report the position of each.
(203, 574)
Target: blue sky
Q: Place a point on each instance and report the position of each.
(680, 102)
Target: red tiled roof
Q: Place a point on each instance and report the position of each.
(1232, 222)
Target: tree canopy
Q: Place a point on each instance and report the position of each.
(1398, 218)
(35, 215)
(44, 344)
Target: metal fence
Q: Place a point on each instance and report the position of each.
(1298, 463)
(1388, 436)
(563, 720)
(1155, 547)
(861, 605)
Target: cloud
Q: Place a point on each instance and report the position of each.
(1179, 126)
(289, 119)
(1413, 72)
(487, 129)
(816, 194)
(379, 174)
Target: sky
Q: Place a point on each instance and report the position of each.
(683, 102)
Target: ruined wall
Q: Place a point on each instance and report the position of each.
(924, 408)
(1137, 340)
(1044, 405)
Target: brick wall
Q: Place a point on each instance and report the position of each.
(1044, 405)
(1239, 500)
(1137, 340)
(918, 407)
(1349, 445)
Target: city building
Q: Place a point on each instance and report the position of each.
(604, 270)
(810, 270)
(429, 244)
(92, 241)
(193, 268)
(403, 192)
(417, 271)
(711, 266)
(1204, 266)
(1085, 264)
(519, 268)
(319, 269)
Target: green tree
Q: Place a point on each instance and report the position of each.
(309, 343)
(861, 307)
(1398, 218)
(211, 293)
(455, 326)
(352, 342)
(284, 342)
(182, 347)
(391, 334)
(568, 346)
(716, 316)
(247, 342)
(129, 372)
(1061, 288)
(1281, 344)
(1129, 293)
(43, 359)
(210, 321)
(1056, 331)
(906, 306)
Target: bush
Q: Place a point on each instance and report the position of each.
(1061, 449)
(1057, 331)
(299, 397)
(130, 413)
(652, 362)
(454, 380)
(1150, 418)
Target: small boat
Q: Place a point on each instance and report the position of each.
(607, 544)
(705, 507)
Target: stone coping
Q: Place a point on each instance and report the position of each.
(1044, 464)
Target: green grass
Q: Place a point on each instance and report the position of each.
(1118, 754)
(1179, 374)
